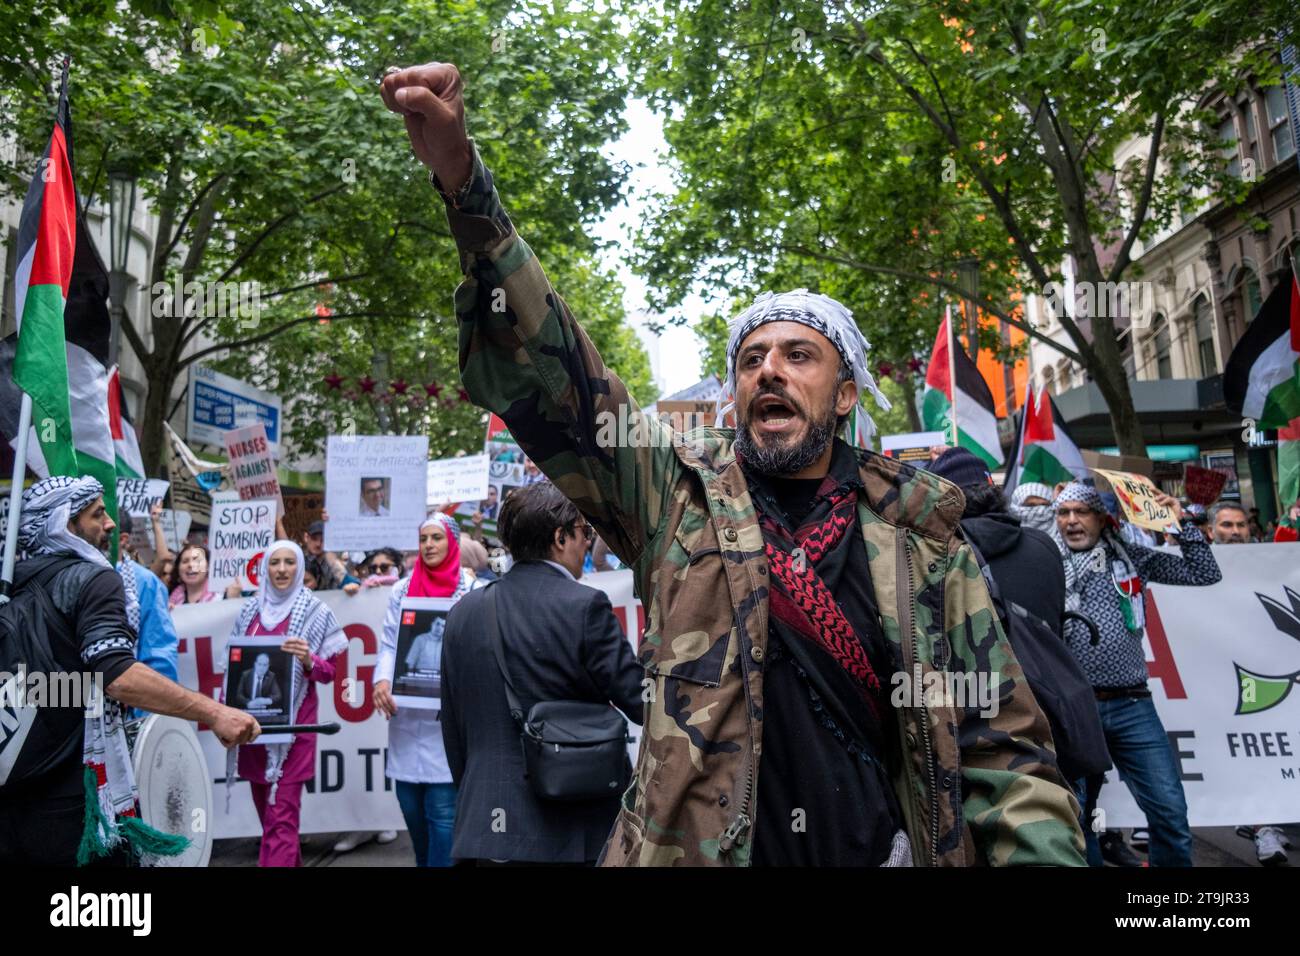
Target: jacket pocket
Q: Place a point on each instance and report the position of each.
(628, 836)
(696, 629)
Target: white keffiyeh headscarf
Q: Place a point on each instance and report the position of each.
(1078, 565)
(820, 313)
(310, 620)
(47, 508)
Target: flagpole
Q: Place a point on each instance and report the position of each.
(952, 377)
(16, 498)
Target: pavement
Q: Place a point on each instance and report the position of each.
(1211, 847)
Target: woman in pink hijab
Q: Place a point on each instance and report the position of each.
(417, 761)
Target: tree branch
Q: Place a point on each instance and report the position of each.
(271, 227)
(947, 286)
(272, 333)
(1144, 199)
(189, 211)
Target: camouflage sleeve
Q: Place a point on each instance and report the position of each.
(524, 357)
(1020, 810)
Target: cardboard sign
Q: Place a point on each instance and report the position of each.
(252, 466)
(911, 447)
(176, 527)
(683, 416)
(458, 479)
(240, 533)
(300, 510)
(135, 496)
(1203, 485)
(1137, 496)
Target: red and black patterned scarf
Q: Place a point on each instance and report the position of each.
(800, 598)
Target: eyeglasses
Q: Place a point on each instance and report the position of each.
(377, 567)
(588, 532)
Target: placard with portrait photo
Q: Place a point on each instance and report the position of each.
(417, 676)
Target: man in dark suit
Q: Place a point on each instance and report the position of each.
(562, 642)
(258, 688)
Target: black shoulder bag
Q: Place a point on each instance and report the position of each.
(1058, 683)
(573, 750)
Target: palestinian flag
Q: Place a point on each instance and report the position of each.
(61, 291)
(953, 381)
(1044, 451)
(126, 446)
(1262, 380)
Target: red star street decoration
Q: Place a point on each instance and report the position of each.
(433, 390)
(399, 386)
(914, 365)
(367, 385)
(884, 368)
(464, 395)
(334, 381)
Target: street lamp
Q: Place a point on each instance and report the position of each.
(121, 209)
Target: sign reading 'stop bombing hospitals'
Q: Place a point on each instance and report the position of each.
(240, 533)
(218, 403)
(251, 464)
(375, 491)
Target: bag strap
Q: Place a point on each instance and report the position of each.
(994, 592)
(498, 644)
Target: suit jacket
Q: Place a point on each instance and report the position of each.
(269, 687)
(561, 642)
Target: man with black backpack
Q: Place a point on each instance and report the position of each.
(1027, 582)
(67, 790)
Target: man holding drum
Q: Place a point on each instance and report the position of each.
(52, 757)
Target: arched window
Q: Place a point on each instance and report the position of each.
(1164, 367)
(1250, 297)
(1204, 325)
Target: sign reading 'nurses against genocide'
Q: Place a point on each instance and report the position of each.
(252, 466)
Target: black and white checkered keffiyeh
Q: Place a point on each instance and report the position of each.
(820, 313)
(48, 506)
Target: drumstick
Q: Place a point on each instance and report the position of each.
(330, 728)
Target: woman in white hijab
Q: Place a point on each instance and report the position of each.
(284, 607)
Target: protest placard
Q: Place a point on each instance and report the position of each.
(1203, 485)
(135, 496)
(454, 480)
(239, 534)
(683, 416)
(375, 491)
(911, 446)
(417, 674)
(252, 466)
(1137, 496)
(176, 527)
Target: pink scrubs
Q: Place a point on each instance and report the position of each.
(280, 845)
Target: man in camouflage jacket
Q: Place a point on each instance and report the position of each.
(972, 789)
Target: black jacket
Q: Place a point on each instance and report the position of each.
(1025, 563)
(562, 642)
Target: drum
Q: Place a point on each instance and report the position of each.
(175, 787)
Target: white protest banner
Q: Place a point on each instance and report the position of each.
(503, 477)
(453, 480)
(375, 491)
(217, 403)
(350, 791)
(1224, 662)
(240, 532)
(252, 466)
(135, 496)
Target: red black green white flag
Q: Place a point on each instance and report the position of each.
(957, 398)
(1262, 380)
(61, 292)
(1044, 451)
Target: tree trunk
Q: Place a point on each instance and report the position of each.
(1107, 370)
(909, 399)
(153, 437)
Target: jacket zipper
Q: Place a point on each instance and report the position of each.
(735, 832)
(905, 574)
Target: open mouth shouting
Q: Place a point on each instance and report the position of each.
(774, 415)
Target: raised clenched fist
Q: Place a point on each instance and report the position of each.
(429, 99)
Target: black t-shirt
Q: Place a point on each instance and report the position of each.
(93, 637)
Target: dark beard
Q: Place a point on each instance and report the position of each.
(784, 458)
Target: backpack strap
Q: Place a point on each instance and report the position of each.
(498, 650)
